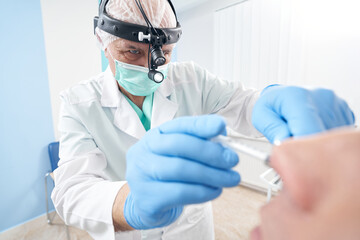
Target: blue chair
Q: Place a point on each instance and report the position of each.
(53, 150)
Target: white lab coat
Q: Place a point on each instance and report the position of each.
(98, 126)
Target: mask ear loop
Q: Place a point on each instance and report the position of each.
(111, 55)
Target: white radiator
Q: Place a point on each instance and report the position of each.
(250, 168)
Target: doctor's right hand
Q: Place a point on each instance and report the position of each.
(175, 165)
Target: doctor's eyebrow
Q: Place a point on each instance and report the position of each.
(133, 47)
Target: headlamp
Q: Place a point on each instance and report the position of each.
(156, 76)
(157, 56)
(155, 37)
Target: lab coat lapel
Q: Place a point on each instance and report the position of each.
(163, 108)
(125, 118)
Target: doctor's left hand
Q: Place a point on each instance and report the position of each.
(175, 165)
(285, 111)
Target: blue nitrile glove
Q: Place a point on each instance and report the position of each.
(285, 111)
(175, 165)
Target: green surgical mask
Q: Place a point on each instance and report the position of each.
(134, 79)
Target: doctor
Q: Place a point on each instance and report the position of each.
(127, 170)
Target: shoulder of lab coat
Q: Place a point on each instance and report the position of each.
(209, 94)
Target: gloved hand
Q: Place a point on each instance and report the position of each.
(175, 165)
(285, 111)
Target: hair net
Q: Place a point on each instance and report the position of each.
(159, 13)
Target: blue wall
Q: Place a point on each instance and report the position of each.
(25, 113)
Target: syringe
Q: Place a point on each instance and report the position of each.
(242, 148)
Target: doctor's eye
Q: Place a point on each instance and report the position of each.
(133, 54)
(134, 51)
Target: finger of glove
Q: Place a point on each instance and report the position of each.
(349, 114)
(304, 121)
(345, 115)
(181, 170)
(269, 123)
(298, 109)
(335, 112)
(193, 148)
(207, 126)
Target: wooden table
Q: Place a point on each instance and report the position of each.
(236, 212)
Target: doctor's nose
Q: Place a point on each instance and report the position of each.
(144, 61)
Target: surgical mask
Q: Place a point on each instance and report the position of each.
(134, 79)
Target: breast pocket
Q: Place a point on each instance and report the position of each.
(196, 222)
(194, 213)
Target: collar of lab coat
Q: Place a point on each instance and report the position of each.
(125, 118)
(110, 92)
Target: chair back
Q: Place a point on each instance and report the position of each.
(53, 150)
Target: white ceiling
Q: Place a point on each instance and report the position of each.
(183, 5)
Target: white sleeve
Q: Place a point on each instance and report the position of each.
(230, 100)
(82, 196)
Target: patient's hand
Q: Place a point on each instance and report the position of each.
(321, 197)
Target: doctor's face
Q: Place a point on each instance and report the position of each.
(132, 53)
